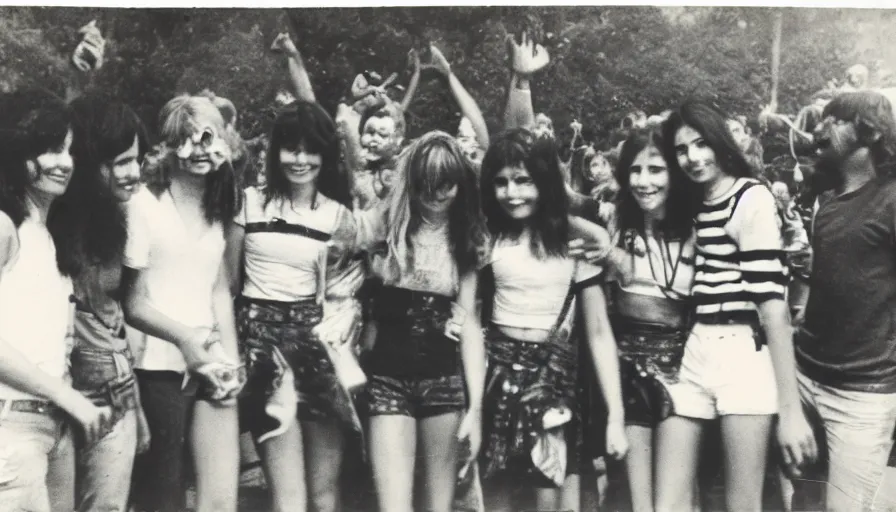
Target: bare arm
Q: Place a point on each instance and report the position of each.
(603, 350)
(18, 372)
(140, 314)
(526, 58)
(347, 125)
(298, 75)
(465, 101)
(472, 343)
(414, 83)
(233, 256)
(222, 305)
(519, 112)
(605, 359)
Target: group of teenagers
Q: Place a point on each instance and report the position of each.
(509, 333)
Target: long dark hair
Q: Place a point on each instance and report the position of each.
(177, 119)
(712, 125)
(33, 121)
(306, 125)
(538, 156)
(683, 193)
(431, 163)
(103, 128)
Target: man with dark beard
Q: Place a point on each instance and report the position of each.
(846, 347)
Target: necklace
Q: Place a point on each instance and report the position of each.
(666, 261)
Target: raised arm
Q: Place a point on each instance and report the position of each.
(414, 61)
(298, 75)
(526, 58)
(87, 59)
(465, 101)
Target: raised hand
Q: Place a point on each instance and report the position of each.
(527, 57)
(89, 53)
(439, 62)
(284, 44)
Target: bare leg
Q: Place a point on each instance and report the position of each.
(571, 494)
(639, 467)
(439, 447)
(283, 458)
(675, 461)
(215, 443)
(746, 439)
(393, 444)
(324, 442)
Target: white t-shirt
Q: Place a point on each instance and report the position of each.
(181, 270)
(656, 265)
(530, 291)
(35, 306)
(285, 266)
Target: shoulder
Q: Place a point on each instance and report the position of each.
(9, 240)
(142, 203)
(755, 194)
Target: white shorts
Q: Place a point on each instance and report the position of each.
(722, 374)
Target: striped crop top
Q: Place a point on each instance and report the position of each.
(739, 255)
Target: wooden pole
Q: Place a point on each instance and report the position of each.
(776, 56)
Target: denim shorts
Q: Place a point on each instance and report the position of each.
(417, 398)
(264, 324)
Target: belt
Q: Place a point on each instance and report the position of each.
(31, 406)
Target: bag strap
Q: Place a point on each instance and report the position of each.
(567, 302)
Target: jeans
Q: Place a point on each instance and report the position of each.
(37, 467)
(858, 427)
(161, 474)
(104, 469)
(96, 373)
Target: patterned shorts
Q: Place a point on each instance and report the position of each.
(417, 398)
(263, 324)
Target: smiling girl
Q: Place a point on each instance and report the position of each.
(278, 245)
(651, 312)
(530, 406)
(738, 362)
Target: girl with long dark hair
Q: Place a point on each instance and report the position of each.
(738, 363)
(108, 145)
(651, 311)
(36, 447)
(530, 406)
(278, 245)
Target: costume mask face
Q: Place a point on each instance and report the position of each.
(204, 151)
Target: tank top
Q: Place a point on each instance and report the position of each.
(35, 301)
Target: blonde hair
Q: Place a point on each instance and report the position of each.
(431, 163)
(182, 115)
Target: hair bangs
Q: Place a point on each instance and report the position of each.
(434, 167)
